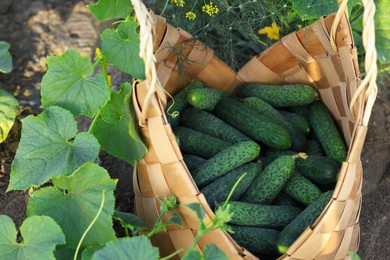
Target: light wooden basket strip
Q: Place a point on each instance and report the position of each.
(323, 56)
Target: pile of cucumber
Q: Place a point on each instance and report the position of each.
(282, 138)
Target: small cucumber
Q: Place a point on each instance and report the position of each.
(205, 98)
(319, 169)
(301, 189)
(313, 147)
(218, 190)
(176, 106)
(299, 123)
(193, 161)
(257, 215)
(326, 130)
(301, 110)
(225, 161)
(306, 218)
(256, 240)
(252, 124)
(266, 110)
(281, 96)
(283, 200)
(209, 124)
(271, 180)
(194, 142)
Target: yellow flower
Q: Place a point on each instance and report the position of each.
(272, 32)
(178, 2)
(190, 15)
(210, 9)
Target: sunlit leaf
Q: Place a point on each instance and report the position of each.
(8, 109)
(5, 57)
(50, 146)
(105, 10)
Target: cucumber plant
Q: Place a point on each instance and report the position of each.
(8, 104)
(72, 204)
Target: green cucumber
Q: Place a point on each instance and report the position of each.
(318, 169)
(205, 98)
(306, 218)
(271, 180)
(252, 124)
(209, 124)
(175, 107)
(301, 110)
(256, 240)
(281, 96)
(194, 142)
(299, 123)
(326, 130)
(313, 147)
(301, 189)
(218, 190)
(257, 215)
(265, 109)
(283, 200)
(225, 161)
(193, 161)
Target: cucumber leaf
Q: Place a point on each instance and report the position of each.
(73, 203)
(116, 130)
(130, 221)
(192, 255)
(130, 248)
(50, 146)
(8, 109)
(40, 236)
(211, 252)
(382, 23)
(105, 10)
(121, 47)
(5, 57)
(68, 84)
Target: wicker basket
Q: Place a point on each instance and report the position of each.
(321, 55)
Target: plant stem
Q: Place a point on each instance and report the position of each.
(90, 225)
(173, 254)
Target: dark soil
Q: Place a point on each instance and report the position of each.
(37, 29)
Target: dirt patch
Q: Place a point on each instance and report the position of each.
(50, 27)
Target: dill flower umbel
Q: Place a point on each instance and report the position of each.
(190, 15)
(178, 2)
(271, 31)
(210, 9)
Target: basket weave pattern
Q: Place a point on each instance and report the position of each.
(309, 56)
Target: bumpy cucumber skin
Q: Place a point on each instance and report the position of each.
(306, 218)
(193, 161)
(179, 104)
(318, 169)
(257, 215)
(265, 109)
(281, 96)
(194, 142)
(252, 124)
(225, 161)
(218, 190)
(256, 240)
(325, 128)
(205, 98)
(299, 123)
(301, 189)
(209, 124)
(271, 180)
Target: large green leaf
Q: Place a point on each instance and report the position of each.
(5, 57)
(40, 236)
(105, 10)
(116, 130)
(8, 109)
(74, 202)
(129, 248)
(46, 148)
(212, 252)
(121, 47)
(68, 84)
(382, 23)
